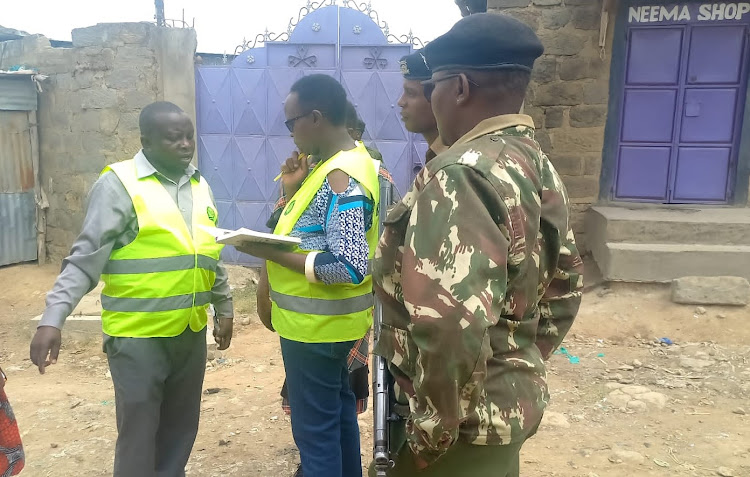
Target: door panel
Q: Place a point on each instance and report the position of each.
(648, 115)
(214, 151)
(643, 173)
(702, 173)
(654, 56)
(708, 115)
(250, 169)
(388, 91)
(249, 102)
(716, 54)
(398, 161)
(215, 101)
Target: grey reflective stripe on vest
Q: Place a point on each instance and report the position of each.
(155, 265)
(151, 305)
(317, 306)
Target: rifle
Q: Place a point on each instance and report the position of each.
(380, 379)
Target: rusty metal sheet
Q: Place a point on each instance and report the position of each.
(16, 165)
(18, 229)
(17, 93)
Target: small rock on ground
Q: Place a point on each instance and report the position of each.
(637, 398)
(725, 472)
(638, 406)
(630, 457)
(740, 411)
(692, 363)
(555, 419)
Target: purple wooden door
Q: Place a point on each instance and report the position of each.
(683, 103)
(242, 139)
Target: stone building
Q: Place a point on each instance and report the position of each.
(88, 112)
(642, 106)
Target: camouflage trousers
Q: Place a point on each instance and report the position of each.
(461, 459)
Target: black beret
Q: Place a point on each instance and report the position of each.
(485, 41)
(414, 67)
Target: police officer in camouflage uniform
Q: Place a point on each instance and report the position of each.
(416, 111)
(477, 268)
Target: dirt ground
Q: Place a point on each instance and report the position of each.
(622, 403)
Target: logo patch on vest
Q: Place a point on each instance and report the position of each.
(211, 214)
(289, 207)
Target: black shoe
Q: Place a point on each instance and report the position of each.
(299, 471)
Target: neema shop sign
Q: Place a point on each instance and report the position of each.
(690, 13)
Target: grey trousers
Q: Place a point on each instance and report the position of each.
(158, 384)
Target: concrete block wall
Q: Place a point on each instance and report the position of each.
(569, 94)
(88, 112)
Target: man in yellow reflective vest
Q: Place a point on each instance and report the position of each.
(321, 292)
(143, 237)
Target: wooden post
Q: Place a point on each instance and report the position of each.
(41, 198)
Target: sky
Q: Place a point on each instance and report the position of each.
(221, 24)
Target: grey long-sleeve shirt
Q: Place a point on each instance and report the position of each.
(111, 223)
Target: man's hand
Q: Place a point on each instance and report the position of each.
(223, 333)
(45, 347)
(294, 171)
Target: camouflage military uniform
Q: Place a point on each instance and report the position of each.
(480, 280)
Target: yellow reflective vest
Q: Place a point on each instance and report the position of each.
(160, 283)
(315, 312)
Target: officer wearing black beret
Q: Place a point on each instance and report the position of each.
(416, 111)
(486, 54)
(477, 267)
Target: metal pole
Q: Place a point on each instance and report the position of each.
(160, 13)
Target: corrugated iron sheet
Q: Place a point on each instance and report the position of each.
(16, 166)
(17, 93)
(18, 228)
(17, 205)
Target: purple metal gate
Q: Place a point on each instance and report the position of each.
(685, 85)
(242, 140)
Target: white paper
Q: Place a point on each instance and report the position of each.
(243, 235)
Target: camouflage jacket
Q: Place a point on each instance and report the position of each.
(480, 280)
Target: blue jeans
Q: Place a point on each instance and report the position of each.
(324, 409)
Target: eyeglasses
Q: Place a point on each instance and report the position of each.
(428, 86)
(290, 122)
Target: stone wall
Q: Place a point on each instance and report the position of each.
(569, 93)
(88, 112)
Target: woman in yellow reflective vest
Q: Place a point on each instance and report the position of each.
(321, 291)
